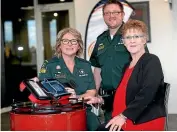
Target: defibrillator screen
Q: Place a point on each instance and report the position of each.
(37, 88)
(57, 87)
(54, 87)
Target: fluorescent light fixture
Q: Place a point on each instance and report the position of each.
(27, 8)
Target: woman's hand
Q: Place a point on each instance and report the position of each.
(116, 123)
(72, 91)
(93, 100)
(35, 79)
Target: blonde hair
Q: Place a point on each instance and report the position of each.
(75, 33)
(135, 24)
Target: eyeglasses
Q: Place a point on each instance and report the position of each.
(115, 13)
(133, 37)
(72, 41)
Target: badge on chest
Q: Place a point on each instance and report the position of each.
(60, 75)
(82, 73)
(101, 46)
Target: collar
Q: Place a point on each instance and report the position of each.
(76, 60)
(119, 31)
(77, 65)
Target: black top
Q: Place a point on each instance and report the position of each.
(145, 90)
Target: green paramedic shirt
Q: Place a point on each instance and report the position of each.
(111, 56)
(82, 74)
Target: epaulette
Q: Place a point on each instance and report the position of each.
(52, 60)
(103, 35)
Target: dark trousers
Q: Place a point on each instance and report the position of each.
(92, 120)
(102, 128)
(107, 116)
(108, 98)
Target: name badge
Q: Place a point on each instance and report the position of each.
(121, 41)
(60, 75)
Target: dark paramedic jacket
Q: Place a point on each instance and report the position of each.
(145, 91)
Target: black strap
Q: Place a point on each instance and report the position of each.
(31, 108)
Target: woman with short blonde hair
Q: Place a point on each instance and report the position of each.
(76, 34)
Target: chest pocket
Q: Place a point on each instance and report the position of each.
(120, 48)
(121, 57)
(60, 76)
(102, 56)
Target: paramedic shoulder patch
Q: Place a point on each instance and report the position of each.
(43, 70)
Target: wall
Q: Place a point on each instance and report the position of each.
(82, 12)
(163, 35)
(173, 76)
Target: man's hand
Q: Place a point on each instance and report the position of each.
(93, 100)
(116, 123)
(72, 91)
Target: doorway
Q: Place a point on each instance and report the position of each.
(50, 19)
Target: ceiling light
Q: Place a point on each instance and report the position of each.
(55, 14)
(19, 19)
(20, 48)
(62, 0)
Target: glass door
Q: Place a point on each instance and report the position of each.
(50, 19)
(52, 23)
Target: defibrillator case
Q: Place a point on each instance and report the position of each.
(47, 89)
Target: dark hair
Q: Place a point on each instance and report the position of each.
(114, 2)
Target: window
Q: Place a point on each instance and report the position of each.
(8, 31)
(31, 33)
(53, 32)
